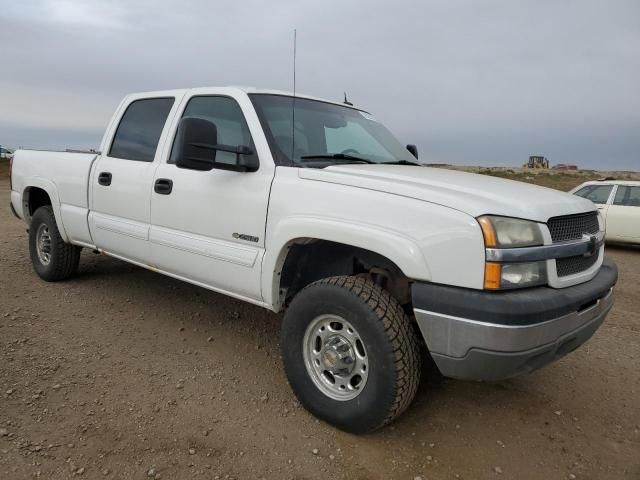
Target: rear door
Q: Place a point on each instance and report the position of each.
(208, 227)
(623, 215)
(122, 179)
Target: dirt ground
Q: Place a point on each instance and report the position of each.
(124, 373)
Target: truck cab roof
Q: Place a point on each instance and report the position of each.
(249, 90)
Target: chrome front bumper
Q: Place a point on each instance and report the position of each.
(505, 335)
(467, 349)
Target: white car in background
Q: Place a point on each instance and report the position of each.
(6, 153)
(619, 204)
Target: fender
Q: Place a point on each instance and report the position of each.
(400, 249)
(51, 189)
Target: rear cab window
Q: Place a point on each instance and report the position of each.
(596, 193)
(140, 127)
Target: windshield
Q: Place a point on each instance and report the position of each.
(325, 134)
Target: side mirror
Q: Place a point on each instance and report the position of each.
(197, 145)
(413, 150)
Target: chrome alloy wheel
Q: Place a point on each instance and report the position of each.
(43, 244)
(335, 357)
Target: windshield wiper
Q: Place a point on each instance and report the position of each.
(346, 158)
(402, 162)
(335, 156)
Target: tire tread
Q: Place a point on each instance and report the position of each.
(65, 257)
(399, 331)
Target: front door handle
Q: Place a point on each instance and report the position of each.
(104, 179)
(163, 186)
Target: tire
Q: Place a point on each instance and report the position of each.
(63, 258)
(388, 342)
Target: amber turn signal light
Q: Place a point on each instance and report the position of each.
(492, 276)
(489, 233)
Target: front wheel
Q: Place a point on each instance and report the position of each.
(52, 258)
(350, 353)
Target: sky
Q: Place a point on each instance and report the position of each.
(469, 82)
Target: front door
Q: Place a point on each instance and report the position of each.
(122, 179)
(208, 227)
(623, 215)
(598, 194)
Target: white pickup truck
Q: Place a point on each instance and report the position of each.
(313, 208)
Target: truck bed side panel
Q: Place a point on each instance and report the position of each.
(65, 178)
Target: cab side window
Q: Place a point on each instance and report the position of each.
(140, 128)
(595, 193)
(226, 115)
(627, 196)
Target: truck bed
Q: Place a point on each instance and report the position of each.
(65, 178)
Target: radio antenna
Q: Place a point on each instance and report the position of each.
(293, 101)
(295, 42)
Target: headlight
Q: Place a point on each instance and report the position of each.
(501, 276)
(505, 232)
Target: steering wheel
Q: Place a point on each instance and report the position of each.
(350, 151)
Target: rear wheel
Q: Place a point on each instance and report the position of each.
(52, 258)
(350, 353)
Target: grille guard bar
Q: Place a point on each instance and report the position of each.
(588, 245)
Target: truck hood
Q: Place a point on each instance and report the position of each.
(470, 193)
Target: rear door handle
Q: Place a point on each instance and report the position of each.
(163, 186)
(104, 179)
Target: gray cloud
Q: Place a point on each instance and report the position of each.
(469, 82)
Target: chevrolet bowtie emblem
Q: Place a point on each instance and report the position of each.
(592, 248)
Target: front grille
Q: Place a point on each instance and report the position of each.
(572, 265)
(572, 227)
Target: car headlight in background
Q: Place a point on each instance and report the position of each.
(505, 232)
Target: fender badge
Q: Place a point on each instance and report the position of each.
(245, 237)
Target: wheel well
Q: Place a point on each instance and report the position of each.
(309, 260)
(34, 198)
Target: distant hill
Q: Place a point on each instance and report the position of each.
(558, 179)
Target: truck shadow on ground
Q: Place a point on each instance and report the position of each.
(169, 304)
